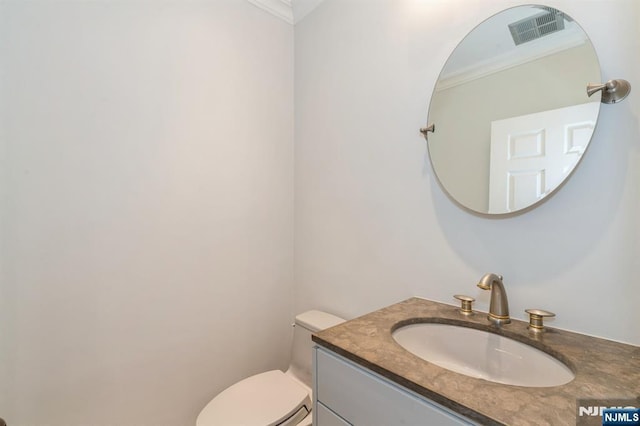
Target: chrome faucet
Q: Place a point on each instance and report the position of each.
(499, 307)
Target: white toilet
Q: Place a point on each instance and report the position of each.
(273, 398)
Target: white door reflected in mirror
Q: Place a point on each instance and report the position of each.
(532, 154)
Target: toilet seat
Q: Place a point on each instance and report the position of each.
(266, 399)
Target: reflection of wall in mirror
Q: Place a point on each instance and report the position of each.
(461, 144)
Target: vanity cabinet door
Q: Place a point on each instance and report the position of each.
(363, 398)
(326, 417)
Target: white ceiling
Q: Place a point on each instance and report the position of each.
(291, 11)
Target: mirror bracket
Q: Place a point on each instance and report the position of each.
(612, 91)
(429, 129)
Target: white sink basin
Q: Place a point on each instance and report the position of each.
(483, 355)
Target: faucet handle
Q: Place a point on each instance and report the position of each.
(466, 303)
(536, 317)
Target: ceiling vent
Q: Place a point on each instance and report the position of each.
(537, 26)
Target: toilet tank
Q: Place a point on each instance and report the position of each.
(307, 323)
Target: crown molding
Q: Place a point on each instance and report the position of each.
(509, 60)
(290, 11)
(283, 9)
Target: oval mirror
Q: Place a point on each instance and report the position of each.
(511, 114)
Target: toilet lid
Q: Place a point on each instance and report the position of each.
(266, 399)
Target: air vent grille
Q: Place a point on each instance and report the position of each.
(536, 26)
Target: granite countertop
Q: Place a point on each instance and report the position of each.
(603, 368)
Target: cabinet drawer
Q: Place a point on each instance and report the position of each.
(364, 398)
(327, 417)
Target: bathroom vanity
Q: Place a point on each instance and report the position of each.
(362, 376)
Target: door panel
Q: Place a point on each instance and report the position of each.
(532, 154)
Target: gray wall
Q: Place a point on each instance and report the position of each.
(147, 207)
